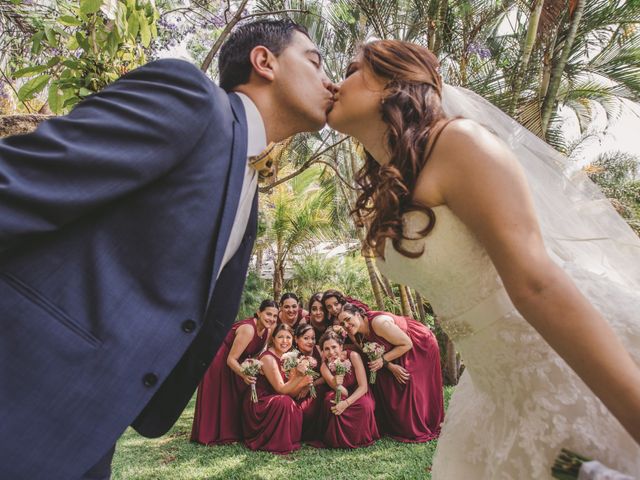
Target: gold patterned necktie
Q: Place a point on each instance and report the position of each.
(263, 162)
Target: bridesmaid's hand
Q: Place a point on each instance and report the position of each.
(400, 373)
(376, 364)
(339, 379)
(303, 393)
(248, 379)
(340, 407)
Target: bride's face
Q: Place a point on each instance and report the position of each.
(357, 102)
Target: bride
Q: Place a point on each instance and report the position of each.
(531, 285)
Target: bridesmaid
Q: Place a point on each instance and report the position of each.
(317, 317)
(408, 388)
(333, 300)
(305, 339)
(291, 312)
(274, 423)
(351, 423)
(217, 417)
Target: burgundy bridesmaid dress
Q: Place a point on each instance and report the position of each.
(412, 412)
(274, 423)
(217, 417)
(356, 426)
(312, 407)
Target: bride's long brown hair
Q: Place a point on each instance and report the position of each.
(412, 109)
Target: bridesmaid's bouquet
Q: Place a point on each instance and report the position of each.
(252, 367)
(340, 331)
(570, 466)
(374, 351)
(339, 368)
(290, 361)
(312, 363)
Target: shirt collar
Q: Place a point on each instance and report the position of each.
(256, 132)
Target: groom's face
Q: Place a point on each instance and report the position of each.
(302, 88)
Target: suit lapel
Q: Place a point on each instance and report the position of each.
(234, 185)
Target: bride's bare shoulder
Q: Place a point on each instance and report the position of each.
(464, 150)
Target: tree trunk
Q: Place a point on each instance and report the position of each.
(527, 48)
(20, 123)
(550, 98)
(404, 301)
(435, 40)
(451, 362)
(388, 288)
(278, 279)
(421, 311)
(373, 278)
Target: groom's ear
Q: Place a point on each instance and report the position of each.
(263, 62)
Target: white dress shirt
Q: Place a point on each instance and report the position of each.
(257, 142)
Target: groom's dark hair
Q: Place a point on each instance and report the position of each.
(234, 64)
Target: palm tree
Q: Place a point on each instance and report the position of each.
(296, 216)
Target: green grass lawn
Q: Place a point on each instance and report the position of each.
(173, 457)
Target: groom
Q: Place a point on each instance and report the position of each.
(126, 228)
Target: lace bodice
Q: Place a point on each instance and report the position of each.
(518, 402)
(454, 274)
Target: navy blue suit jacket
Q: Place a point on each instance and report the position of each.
(113, 224)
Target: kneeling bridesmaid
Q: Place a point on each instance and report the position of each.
(274, 422)
(310, 400)
(408, 387)
(349, 423)
(217, 417)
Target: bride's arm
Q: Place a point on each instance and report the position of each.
(482, 183)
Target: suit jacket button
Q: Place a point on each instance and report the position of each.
(188, 326)
(150, 379)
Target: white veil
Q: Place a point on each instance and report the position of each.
(581, 229)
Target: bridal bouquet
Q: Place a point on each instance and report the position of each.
(570, 466)
(374, 351)
(290, 361)
(312, 363)
(339, 368)
(252, 367)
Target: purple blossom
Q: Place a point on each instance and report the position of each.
(479, 49)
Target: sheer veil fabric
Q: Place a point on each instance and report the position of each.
(581, 228)
(518, 403)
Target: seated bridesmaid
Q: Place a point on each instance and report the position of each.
(351, 422)
(317, 317)
(305, 339)
(217, 417)
(408, 387)
(291, 312)
(274, 423)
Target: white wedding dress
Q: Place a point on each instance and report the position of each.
(517, 403)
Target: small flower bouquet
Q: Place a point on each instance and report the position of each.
(339, 368)
(571, 466)
(312, 363)
(340, 331)
(252, 367)
(374, 351)
(290, 361)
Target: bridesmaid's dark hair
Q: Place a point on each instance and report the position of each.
(333, 293)
(280, 327)
(330, 335)
(286, 296)
(351, 308)
(266, 304)
(302, 329)
(412, 110)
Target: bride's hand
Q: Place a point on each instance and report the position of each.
(400, 373)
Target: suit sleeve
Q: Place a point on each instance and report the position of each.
(111, 144)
